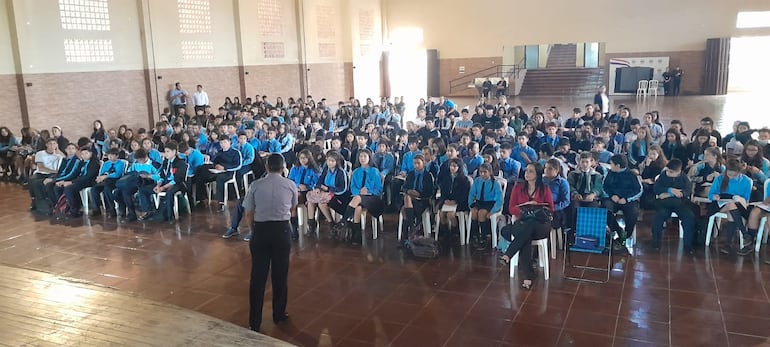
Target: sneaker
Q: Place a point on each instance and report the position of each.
(247, 238)
(222, 207)
(725, 249)
(230, 233)
(747, 249)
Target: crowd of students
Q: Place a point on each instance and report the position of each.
(363, 157)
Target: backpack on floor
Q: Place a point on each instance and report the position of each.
(61, 209)
(423, 247)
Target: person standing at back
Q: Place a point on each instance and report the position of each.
(268, 206)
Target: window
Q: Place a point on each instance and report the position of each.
(325, 22)
(273, 50)
(366, 25)
(197, 50)
(327, 50)
(88, 51)
(753, 19)
(92, 15)
(194, 16)
(270, 18)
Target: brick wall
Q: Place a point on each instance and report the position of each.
(450, 70)
(273, 81)
(74, 100)
(10, 114)
(332, 81)
(692, 62)
(218, 82)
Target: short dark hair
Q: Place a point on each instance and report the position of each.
(674, 164)
(546, 148)
(140, 153)
(113, 151)
(172, 145)
(619, 160)
(183, 147)
(275, 163)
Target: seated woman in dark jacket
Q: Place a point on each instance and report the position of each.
(524, 230)
(454, 188)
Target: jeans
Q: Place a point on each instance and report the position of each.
(107, 188)
(686, 217)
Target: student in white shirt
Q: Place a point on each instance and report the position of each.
(200, 99)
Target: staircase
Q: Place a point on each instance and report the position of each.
(562, 81)
(562, 56)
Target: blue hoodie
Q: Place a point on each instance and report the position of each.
(492, 192)
(373, 182)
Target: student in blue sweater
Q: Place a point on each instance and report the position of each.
(523, 153)
(730, 194)
(171, 178)
(623, 190)
(271, 144)
(304, 174)
(366, 189)
(67, 169)
(109, 174)
(152, 153)
(509, 166)
(87, 172)
(455, 188)
(485, 198)
(560, 191)
(473, 160)
(247, 154)
(145, 173)
(331, 192)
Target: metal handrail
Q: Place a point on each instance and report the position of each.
(492, 71)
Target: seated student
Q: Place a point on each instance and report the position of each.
(490, 157)
(623, 190)
(477, 133)
(431, 162)
(418, 189)
(573, 123)
(224, 166)
(67, 170)
(87, 172)
(152, 153)
(507, 130)
(763, 137)
(454, 187)
(551, 137)
(485, 198)
(192, 157)
(703, 173)
(490, 142)
(509, 166)
(598, 148)
(304, 174)
(616, 139)
(565, 154)
(586, 187)
(407, 165)
(545, 153)
(331, 191)
(673, 147)
(122, 153)
(362, 143)
(696, 148)
(757, 167)
(170, 179)
(522, 152)
(655, 130)
(452, 152)
(640, 147)
(473, 160)
(560, 190)
(672, 194)
(366, 190)
(47, 165)
(248, 153)
(756, 212)
(271, 144)
(141, 173)
(109, 174)
(730, 194)
(651, 167)
(525, 229)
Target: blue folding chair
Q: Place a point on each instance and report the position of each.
(590, 237)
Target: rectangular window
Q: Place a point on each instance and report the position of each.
(197, 50)
(194, 16)
(88, 15)
(88, 51)
(325, 22)
(273, 50)
(270, 18)
(753, 19)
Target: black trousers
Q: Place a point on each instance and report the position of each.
(270, 245)
(37, 189)
(686, 217)
(521, 235)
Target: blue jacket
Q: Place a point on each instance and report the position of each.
(385, 163)
(113, 170)
(195, 160)
(472, 163)
(155, 156)
(492, 192)
(516, 154)
(247, 153)
(455, 188)
(373, 182)
(287, 143)
(560, 192)
(172, 172)
(303, 175)
(231, 159)
(624, 184)
(271, 146)
(146, 168)
(336, 180)
(254, 142)
(407, 165)
(740, 185)
(68, 169)
(510, 168)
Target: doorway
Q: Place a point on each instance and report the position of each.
(408, 69)
(748, 69)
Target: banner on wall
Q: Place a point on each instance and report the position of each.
(625, 73)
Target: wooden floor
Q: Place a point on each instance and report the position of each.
(40, 309)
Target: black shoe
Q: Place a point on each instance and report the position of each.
(281, 318)
(147, 216)
(690, 252)
(312, 224)
(222, 207)
(725, 249)
(619, 246)
(96, 213)
(111, 214)
(747, 249)
(130, 218)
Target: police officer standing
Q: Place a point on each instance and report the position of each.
(268, 205)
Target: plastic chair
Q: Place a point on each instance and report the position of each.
(761, 234)
(377, 223)
(642, 89)
(653, 87)
(246, 179)
(556, 238)
(178, 194)
(542, 256)
(232, 181)
(425, 223)
(494, 216)
(591, 224)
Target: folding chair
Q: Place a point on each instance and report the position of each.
(591, 226)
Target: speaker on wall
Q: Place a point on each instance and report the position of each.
(434, 80)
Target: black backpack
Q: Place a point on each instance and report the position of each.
(61, 209)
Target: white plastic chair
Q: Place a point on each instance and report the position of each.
(494, 216)
(542, 255)
(653, 87)
(85, 193)
(377, 223)
(713, 228)
(642, 89)
(425, 223)
(178, 194)
(246, 179)
(556, 239)
(232, 181)
(761, 234)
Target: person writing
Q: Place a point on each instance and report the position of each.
(270, 243)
